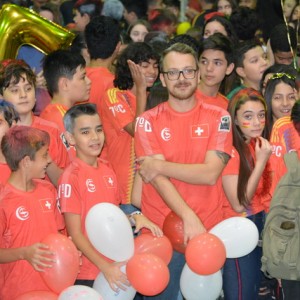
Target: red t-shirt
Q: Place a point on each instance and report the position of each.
(57, 149)
(101, 80)
(219, 100)
(26, 218)
(5, 173)
(55, 112)
(118, 110)
(184, 138)
(80, 188)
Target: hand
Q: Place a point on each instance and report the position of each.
(115, 277)
(39, 256)
(143, 222)
(148, 168)
(263, 150)
(192, 226)
(40, 81)
(136, 73)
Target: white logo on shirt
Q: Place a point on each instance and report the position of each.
(90, 185)
(110, 181)
(21, 213)
(165, 134)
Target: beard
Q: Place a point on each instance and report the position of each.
(185, 94)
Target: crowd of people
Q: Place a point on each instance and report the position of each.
(153, 121)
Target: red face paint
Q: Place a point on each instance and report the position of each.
(246, 124)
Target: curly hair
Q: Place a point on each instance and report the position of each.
(137, 52)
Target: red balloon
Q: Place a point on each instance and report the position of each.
(65, 270)
(173, 229)
(148, 274)
(205, 254)
(159, 246)
(38, 295)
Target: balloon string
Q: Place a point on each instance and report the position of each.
(289, 36)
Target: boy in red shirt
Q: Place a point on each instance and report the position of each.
(87, 181)
(17, 86)
(28, 212)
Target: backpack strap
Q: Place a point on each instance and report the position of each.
(292, 163)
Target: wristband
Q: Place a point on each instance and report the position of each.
(131, 218)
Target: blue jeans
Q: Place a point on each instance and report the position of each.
(242, 276)
(128, 208)
(172, 292)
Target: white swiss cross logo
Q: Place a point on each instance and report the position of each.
(48, 204)
(200, 131)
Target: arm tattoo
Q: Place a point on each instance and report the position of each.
(223, 156)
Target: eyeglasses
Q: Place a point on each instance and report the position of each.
(280, 75)
(175, 74)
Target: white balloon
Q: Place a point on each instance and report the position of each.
(101, 285)
(200, 287)
(79, 292)
(239, 235)
(110, 232)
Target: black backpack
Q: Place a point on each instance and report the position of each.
(281, 236)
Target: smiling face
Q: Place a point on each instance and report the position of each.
(87, 137)
(251, 119)
(39, 164)
(150, 71)
(21, 95)
(283, 99)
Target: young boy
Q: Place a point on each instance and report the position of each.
(89, 180)
(17, 86)
(28, 212)
(250, 64)
(8, 117)
(67, 83)
(215, 62)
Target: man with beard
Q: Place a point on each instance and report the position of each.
(182, 146)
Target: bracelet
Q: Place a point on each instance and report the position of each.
(131, 218)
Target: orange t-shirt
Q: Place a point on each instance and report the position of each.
(284, 138)
(80, 188)
(118, 110)
(26, 218)
(219, 100)
(54, 112)
(184, 138)
(5, 173)
(57, 149)
(101, 80)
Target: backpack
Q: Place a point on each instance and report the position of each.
(281, 236)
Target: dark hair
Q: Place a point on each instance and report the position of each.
(277, 68)
(137, 7)
(137, 52)
(233, 4)
(54, 9)
(295, 115)
(246, 159)
(246, 22)
(9, 112)
(102, 36)
(21, 141)
(227, 26)
(58, 64)
(89, 7)
(186, 39)
(76, 111)
(279, 40)
(220, 42)
(157, 95)
(12, 71)
(139, 22)
(241, 50)
(78, 43)
(159, 18)
(269, 91)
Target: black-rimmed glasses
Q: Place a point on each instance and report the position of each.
(175, 74)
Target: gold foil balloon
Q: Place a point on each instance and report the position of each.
(19, 26)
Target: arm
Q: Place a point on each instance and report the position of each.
(111, 271)
(192, 224)
(54, 172)
(37, 255)
(136, 194)
(263, 151)
(141, 95)
(206, 173)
